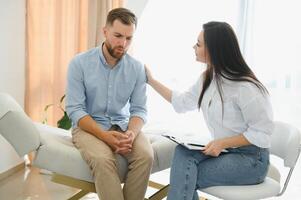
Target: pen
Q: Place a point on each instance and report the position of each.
(197, 145)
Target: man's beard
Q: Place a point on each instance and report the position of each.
(113, 51)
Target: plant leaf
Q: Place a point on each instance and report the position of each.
(62, 98)
(64, 122)
(48, 106)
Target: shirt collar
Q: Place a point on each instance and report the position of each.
(103, 59)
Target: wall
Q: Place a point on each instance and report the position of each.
(136, 6)
(12, 66)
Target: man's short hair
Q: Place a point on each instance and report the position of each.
(123, 15)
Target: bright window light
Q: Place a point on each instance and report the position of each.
(166, 33)
(269, 34)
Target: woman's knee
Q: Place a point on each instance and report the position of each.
(181, 151)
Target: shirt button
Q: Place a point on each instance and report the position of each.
(110, 86)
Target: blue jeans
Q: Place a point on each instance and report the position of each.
(192, 170)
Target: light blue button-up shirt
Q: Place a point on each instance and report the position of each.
(109, 95)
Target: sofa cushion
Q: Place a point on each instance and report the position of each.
(58, 154)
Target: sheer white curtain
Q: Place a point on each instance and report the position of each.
(166, 33)
(269, 34)
(273, 47)
(56, 31)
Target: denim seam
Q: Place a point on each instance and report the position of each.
(186, 180)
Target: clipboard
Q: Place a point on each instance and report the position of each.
(192, 145)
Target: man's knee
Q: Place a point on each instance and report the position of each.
(102, 165)
(146, 156)
(149, 156)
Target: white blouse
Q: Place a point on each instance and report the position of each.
(246, 110)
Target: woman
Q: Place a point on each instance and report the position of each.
(237, 111)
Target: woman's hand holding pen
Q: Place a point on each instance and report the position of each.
(214, 148)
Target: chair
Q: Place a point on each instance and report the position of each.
(286, 146)
(54, 150)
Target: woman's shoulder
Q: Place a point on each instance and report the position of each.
(248, 86)
(250, 92)
(243, 91)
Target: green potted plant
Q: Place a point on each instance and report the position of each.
(64, 122)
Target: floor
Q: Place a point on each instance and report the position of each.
(33, 184)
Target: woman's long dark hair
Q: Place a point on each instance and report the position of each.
(226, 60)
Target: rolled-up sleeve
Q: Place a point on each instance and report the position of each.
(75, 93)
(138, 97)
(258, 115)
(188, 100)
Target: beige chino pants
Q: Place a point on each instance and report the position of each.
(103, 164)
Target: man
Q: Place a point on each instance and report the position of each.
(106, 101)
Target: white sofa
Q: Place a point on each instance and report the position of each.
(56, 153)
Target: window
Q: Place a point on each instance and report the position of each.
(273, 47)
(166, 33)
(269, 35)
